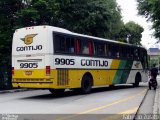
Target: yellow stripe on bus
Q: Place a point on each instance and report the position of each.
(112, 72)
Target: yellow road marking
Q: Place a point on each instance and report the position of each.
(120, 115)
(130, 111)
(111, 104)
(105, 106)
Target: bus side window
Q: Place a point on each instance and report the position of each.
(59, 43)
(109, 50)
(106, 49)
(90, 47)
(127, 52)
(117, 51)
(114, 51)
(136, 54)
(99, 49)
(85, 47)
(64, 44)
(94, 47)
(70, 45)
(78, 46)
(120, 51)
(132, 53)
(124, 52)
(142, 58)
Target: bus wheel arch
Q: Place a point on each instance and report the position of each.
(86, 83)
(138, 78)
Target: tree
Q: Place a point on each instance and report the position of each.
(8, 9)
(131, 33)
(94, 17)
(150, 9)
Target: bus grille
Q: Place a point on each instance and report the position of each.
(62, 77)
(28, 80)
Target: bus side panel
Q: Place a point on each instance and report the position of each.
(123, 71)
(137, 67)
(113, 74)
(71, 78)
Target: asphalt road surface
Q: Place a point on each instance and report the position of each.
(106, 103)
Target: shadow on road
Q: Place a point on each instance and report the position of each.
(71, 93)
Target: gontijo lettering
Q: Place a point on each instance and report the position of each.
(29, 48)
(89, 62)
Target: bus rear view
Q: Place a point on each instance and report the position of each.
(30, 58)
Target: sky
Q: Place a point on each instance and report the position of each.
(130, 13)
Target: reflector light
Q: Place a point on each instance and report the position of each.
(48, 70)
(12, 70)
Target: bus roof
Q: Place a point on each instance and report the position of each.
(65, 31)
(62, 30)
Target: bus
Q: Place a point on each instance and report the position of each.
(47, 57)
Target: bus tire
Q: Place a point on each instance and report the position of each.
(137, 80)
(111, 86)
(86, 84)
(57, 91)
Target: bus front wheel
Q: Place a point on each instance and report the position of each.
(137, 80)
(86, 84)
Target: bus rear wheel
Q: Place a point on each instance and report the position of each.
(137, 80)
(57, 91)
(86, 84)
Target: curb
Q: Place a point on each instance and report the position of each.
(156, 109)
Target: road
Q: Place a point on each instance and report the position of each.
(120, 100)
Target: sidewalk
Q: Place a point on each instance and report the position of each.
(156, 107)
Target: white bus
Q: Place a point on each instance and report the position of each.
(53, 58)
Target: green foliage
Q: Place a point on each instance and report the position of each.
(7, 15)
(134, 33)
(131, 33)
(154, 61)
(8, 9)
(94, 17)
(150, 9)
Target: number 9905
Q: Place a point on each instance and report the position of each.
(28, 65)
(62, 61)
